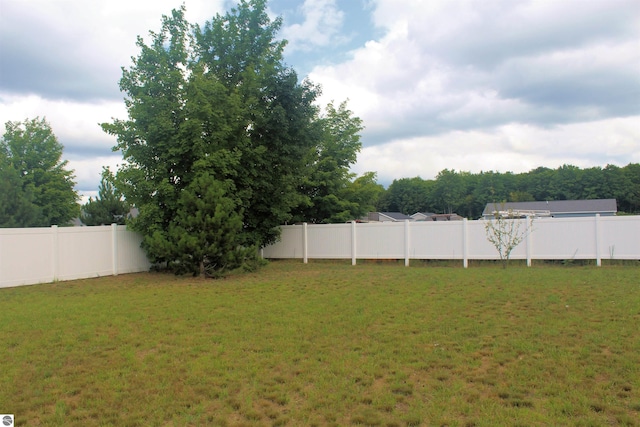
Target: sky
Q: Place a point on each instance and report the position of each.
(492, 85)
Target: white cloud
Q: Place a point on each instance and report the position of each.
(485, 33)
(508, 148)
(76, 124)
(74, 49)
(321, 26)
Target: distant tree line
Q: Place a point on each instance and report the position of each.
(468, 193)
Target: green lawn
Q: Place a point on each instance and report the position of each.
(327, 344)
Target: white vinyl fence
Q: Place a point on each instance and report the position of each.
(43, 255)
(610, 237)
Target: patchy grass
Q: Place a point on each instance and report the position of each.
(327, 344)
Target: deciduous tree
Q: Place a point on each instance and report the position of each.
(448, 191)
(38, 188)
(328, 177)
(506, 230)
(364, 192)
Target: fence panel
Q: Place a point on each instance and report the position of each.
(564, 238)
(26, 256)
(383, 240)
(480, 248)
(84, 252)
(290, 244)
(330, 241)
(130, 258)
(619, 237)
(436, 240)
(43, 255)
(477, 244)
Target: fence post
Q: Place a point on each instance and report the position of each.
(114, 249)
(465, 245)
(353, 243)
(406, 242)
(597, 231)
(305, 241)
(56, 253)
(528, 231)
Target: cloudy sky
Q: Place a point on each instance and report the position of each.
(501, 85)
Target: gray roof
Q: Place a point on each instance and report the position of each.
(558, 206)
(391, 216)
(398, 216)
(422, 213)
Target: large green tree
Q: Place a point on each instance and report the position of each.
(328, 181)
(215, 102)
(36, 188)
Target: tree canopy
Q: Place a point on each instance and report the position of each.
(328, 183)
(217, 105)
(36, 189)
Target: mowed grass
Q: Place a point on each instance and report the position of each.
(327, 344)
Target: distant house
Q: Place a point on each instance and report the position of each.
(422, 216)
(388, 217)
(418, 216)
(429, 216)
(76, 222)
(445, 217)
(554, 208)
